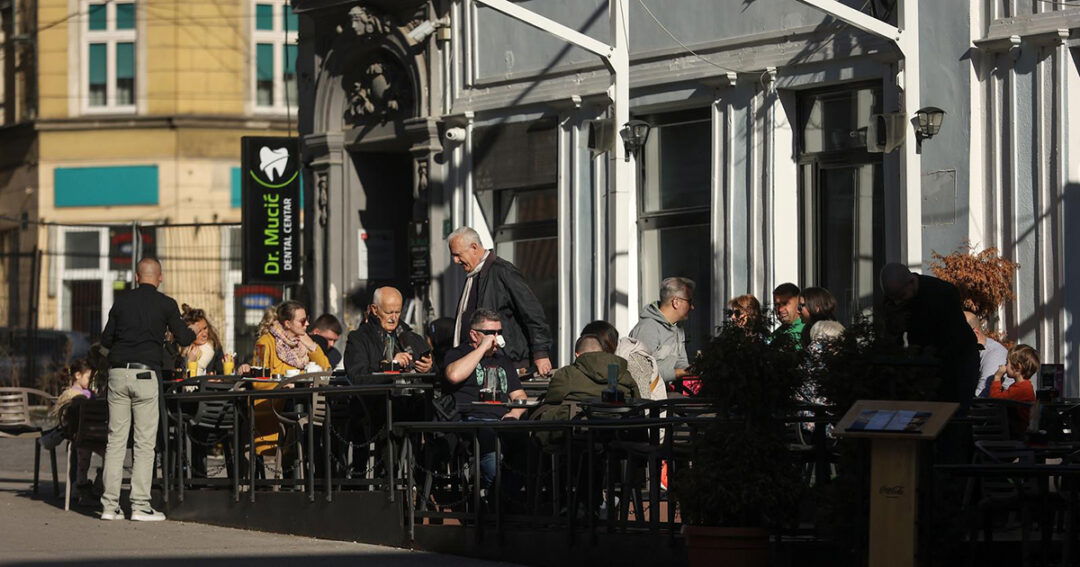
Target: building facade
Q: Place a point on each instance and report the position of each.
(131, 111)
(763, 164)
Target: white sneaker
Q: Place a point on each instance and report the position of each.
(116, 514)
(147, 515)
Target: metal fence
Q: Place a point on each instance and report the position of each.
(60, 280)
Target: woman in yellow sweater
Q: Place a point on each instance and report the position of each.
(283, 345)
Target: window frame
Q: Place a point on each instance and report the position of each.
(680, 217)
(110, 37)
(810, 190)
(279, 39)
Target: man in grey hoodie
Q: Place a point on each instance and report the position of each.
(659, 328)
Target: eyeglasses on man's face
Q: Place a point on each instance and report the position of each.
(488, 331)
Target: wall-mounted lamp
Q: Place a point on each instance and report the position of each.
(634, 134)
(929, 121)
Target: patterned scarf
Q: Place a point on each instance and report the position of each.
(288, 348)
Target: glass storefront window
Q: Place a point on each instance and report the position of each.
(681, 251)
(676, 195)
(677, 166)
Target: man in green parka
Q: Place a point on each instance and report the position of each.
(585, 379)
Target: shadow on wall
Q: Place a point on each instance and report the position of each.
(1070, 262)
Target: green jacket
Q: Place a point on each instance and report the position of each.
(584, 379)
(795, 330)
(587, 378)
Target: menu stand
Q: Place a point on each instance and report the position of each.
(894, 469)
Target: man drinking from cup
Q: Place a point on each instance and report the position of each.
(481, 365)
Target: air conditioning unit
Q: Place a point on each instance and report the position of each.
(601, 135)
(886, 132)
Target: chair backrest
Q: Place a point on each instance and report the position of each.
(997, 452)
(14, 407)
(214, 414)
(92, 431)
(990, 420)
(318, 413)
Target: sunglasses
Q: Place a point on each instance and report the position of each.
(488, 331)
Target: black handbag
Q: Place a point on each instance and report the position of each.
(445, 408)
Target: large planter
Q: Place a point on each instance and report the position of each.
(731, 547)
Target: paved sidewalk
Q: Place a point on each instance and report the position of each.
(36, 531)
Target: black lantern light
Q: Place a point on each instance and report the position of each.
(634, 134)
(929, 119)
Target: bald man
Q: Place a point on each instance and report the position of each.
(135, 337)
(382, 338)
(930, 311)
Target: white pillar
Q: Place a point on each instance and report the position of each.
(624, 249)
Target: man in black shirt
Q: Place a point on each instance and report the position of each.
(135, 336)
(930, 311)
(482, 365)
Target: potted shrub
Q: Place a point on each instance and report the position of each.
(742, 481)
(984, 279)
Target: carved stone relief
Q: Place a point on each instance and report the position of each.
(322, 197)
(381, 91)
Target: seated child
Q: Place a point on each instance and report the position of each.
(1022, 363)
(77, 375)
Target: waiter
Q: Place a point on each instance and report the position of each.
(135, 336)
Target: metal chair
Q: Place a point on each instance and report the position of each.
(15, 422)
(86, 424)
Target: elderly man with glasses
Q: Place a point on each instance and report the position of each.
(659, 328)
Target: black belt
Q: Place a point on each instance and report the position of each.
(134, 366)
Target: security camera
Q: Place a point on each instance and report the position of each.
(455, 135)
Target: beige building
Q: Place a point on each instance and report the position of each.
(118, 112)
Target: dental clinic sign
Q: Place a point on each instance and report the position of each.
(270, 170)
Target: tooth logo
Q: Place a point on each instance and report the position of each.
(273, 162)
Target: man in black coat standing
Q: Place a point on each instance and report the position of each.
(930, 311)
(383, 338)
(495, 284)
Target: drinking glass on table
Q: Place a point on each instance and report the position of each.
(228, 363)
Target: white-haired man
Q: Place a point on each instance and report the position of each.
(383, 337)
(495, 284)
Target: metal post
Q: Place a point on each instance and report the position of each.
(135, 241)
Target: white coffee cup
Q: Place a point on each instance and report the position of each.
(500, 341)
(291, 373)
(312, 367)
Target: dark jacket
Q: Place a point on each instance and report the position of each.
(364, 350)
(587, 378)
(501, 287)
(136, 328)
(934, 320)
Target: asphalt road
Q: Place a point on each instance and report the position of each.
(36, 531)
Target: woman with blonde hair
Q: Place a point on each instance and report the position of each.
(284, 344)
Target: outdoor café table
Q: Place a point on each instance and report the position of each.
(247, 396)
(1042, 473)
